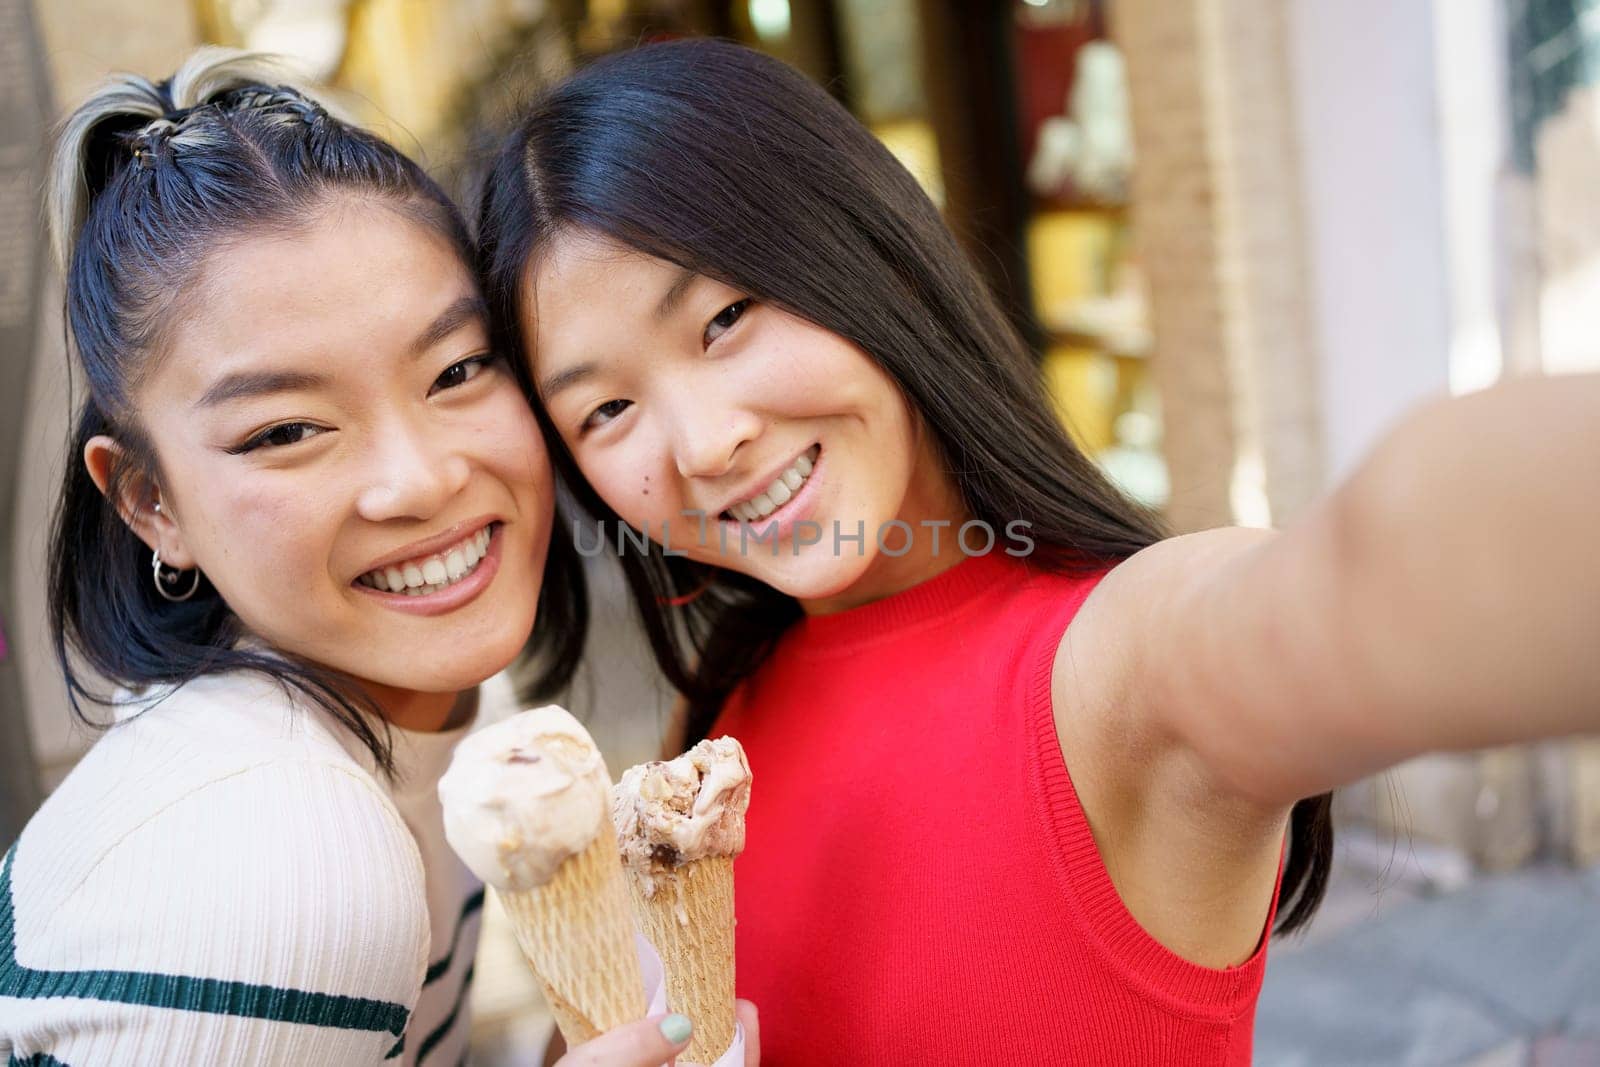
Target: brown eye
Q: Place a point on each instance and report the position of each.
(280, 436)
(725, 320)
(604, 413)
(458, 374)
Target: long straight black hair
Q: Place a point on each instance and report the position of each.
(731, 164)
(147, 178)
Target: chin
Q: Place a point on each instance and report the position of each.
(454, 678)
(816, 579)
(452, 669)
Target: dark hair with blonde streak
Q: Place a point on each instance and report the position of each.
(147, 179)
(732, 164)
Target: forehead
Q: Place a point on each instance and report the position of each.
(586, 287)
(357, 276)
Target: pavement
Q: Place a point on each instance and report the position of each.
(1404, 968)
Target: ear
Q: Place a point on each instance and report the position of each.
(136, 497)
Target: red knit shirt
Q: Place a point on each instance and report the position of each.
(919, 884)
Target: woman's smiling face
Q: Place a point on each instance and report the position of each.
(690, 406)
(329, 422)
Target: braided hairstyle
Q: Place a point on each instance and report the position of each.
(147, 178)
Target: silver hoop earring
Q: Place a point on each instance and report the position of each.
(171, 577)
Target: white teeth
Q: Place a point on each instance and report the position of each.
(431, 575)
(779, 493)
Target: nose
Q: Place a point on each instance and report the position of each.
(414, 473)
(708, 438)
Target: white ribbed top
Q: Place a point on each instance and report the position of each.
(224, 879)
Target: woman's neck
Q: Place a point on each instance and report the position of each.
(423, 713)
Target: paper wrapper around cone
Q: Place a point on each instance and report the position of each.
(689, 920)
(577, 933)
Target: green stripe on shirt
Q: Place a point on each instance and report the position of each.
(441, 1031)
(436, 971)
(183, 992)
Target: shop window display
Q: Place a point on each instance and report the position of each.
(1076, 144)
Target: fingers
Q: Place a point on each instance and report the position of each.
(751, 1020)
(646, 1043)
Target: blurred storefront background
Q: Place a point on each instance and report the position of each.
(1241, 235)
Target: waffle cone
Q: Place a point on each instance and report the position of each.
(577, 933)
(689, 919)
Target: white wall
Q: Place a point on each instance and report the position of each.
(1475, 145)
(1365, 80)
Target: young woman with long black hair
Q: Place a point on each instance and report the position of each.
(306, 512)
(1021, 757)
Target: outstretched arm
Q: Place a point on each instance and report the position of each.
(1446, 597)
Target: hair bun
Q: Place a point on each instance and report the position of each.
(131, 118)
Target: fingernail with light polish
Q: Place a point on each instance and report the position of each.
(676, 1028)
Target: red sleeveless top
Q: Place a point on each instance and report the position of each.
(919, 884)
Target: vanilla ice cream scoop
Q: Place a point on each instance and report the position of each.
(673, 812)
(523, 796)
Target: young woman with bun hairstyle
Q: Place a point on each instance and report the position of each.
(306, 512)
(1018, 755)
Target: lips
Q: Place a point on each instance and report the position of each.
(436, 598)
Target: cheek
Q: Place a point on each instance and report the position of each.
(813, 372)
(255, 528)
(509, 442)
(632, 480)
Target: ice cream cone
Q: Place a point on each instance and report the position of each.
(689, 919)
(525, 807)
(680, 824)
(577, 934)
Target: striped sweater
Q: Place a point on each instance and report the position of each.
(224, 879)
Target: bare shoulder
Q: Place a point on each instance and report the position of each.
(1193, 864)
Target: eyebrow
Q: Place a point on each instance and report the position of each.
(670, 300)
(674, 294)
(245, 384)
(463, 312)
(562, 379)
